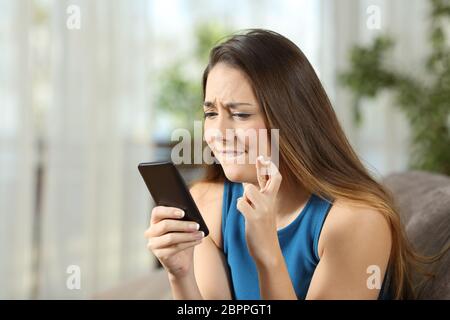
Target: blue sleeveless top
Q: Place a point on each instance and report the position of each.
(298, 242)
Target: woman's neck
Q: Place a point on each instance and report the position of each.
(291, 198)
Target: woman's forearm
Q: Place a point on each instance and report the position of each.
(274, 280)
(185, 288)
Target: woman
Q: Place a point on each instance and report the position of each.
(317, 227)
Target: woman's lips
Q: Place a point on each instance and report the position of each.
(230, 153)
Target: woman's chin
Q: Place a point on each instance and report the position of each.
(239, 173)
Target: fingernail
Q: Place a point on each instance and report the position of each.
(194, 226)
(200, 235)
(180, 213)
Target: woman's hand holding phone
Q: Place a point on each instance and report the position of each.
(173, 240)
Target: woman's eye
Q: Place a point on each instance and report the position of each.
(241, 115)
(209, 114)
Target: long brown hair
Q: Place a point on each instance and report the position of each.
(314, 150)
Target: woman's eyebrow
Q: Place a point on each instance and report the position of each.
(228, 105)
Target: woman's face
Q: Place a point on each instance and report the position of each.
(234, 123)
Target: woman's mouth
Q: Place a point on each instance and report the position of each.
(229, 154)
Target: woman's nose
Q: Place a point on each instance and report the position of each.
(223, 124)
(220, 129)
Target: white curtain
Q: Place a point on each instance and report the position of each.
(17, 157)
(96, 207)
(382, 141)
(88, 106)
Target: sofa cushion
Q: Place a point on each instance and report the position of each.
(423, 200)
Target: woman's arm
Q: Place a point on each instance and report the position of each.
(257, 206)
(209, 277)
(274, 280)
(354, 248)
(185, 288)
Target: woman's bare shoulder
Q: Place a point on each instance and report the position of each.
(355, 241)
(208, 197)
(350, 223)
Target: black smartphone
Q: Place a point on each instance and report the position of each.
(167, 188)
